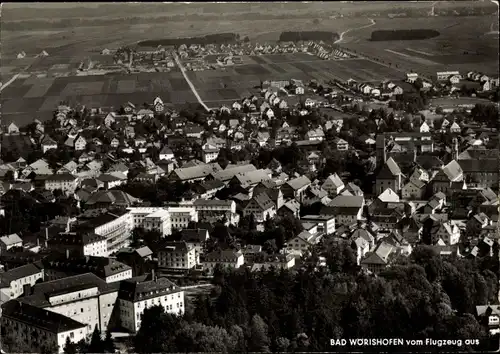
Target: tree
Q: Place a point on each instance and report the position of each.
(155, 334)
(96, 344)
(259, 338)
(108, 344)
(70, 347)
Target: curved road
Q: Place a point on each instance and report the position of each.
(9, 82)
(354, 29)
(183, 70)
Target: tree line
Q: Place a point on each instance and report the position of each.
(218, 38)
(293, 36)
(403, 35)
(423, 296)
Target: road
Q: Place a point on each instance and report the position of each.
(183, 70)
(9, 82)
(354, 29)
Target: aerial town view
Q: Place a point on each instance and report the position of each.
(249, 177)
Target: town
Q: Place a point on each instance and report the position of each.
(302, 213)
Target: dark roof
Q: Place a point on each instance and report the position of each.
(194, 235)
(174, 246)
(481, 165)
(73, 238)
(222, 256)
(139, 288)
(100, 266)
(112, 197)
(18, 273)
(61, 177)
(38, 317)
(263, 201)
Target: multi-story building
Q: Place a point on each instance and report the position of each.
(177, 255)
(27, 328)
(261, 207)
(209, 153)
(159, 221)
(180, 217)
(14, 282)
(195, 238)
(326, 223)
(64, 181)
(408, 144)
(115, 226)
(225, 258)
(85, 298)
(79, 243)
(9, 241)
(137, 294)
(207, 209)
(58, 266)
(303, 242)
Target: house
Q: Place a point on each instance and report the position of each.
(424, 128)
(348, 209)
(290, 208)
(194, 173)
(63, 181)
(15, 282)
(145, 113)
(397, 90)
(79, 244)
(209, 153)
(166, 153)
(261, 207)
(177, 255)
(294, 188)
(443, 180)
(9, 241)
(333, 185)
(195, 238)
(193, 131)
(12, 129)
(389, 176)
(158, 105)
(413, 190)
(341, 144)
(411, 77)
(325, 223)
(379, 259)
(454, 79)
(455, 128)
(303, 242)
(80, 143)
(446, 75)
(315, 134)
(48, 143)
(489, 315)
(224, 258)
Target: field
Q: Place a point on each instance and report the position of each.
(465, 44)
(30, 98)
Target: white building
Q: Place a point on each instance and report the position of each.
(445, 75)
(178, 255)
(36, 329)
(209, 153)
(79, 243)
(115, 226)
(14, 281)
(137, 295)
(226, 259)
(303, 242)
(180, 217)
(9, 241)
(64, 181)
(326, 223)
(159, 221)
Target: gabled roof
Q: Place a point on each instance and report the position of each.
(299, 182)
(453, 171)
(263, 201)
(347, 201)
(11, 239)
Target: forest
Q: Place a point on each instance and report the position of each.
(309, 36)
(219, 38)
(403, 35)
(422, 296)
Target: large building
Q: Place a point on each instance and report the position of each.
(177, 255)
(79, 244)
(14, 282)
(137, 294)
(27, 328)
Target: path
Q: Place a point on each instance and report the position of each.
(354, 29)
(183, 70)
(9, 82)
(492, 31)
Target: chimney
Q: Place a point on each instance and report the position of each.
(67, 253)
(414, 154)
(153, 276)
(46, 233)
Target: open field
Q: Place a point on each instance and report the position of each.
(465, 44)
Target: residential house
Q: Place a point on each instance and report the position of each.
(196, 239)
(390, 176)
(177, 255)
(333, 185)
(347, 209)
(261, 207)
(63, 181)
(341, 144)
(47, 143)
(449, 174)
(303, 242)
(209, 153)
(193, 131)
(315, 134)
(294, 188)
(379, 259)
(15, 282)
(224, 258)
(79, 244)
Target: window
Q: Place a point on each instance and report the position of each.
(81, 310)
(72, 335)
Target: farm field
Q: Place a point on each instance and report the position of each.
(27, 99)
(475, 49)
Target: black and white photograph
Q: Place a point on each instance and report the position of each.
(249, 177)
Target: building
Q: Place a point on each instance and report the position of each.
(30, 328)
(333, 185)
(180, 217)
(195, 238)
(489, 315)
(115, 226)
(295, 188)
(411, 77)
(47, 144)
(139, 293)
(303, 242)
(85, 298)
(194, 173)
(225, 259)
(16, 282)
(346, 208)
(378, 260)
(59, 266)
(207, 208)
(177, 255)
(326, 223)
(80, 143)
(79, 244)
(276, 261)
(158, 220)
(389, 176)
(63, 181)
(9, 241)
(261, 207)
(446, 75)
(209, 153)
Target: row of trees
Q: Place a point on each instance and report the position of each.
(95, 345)
(423, 296)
